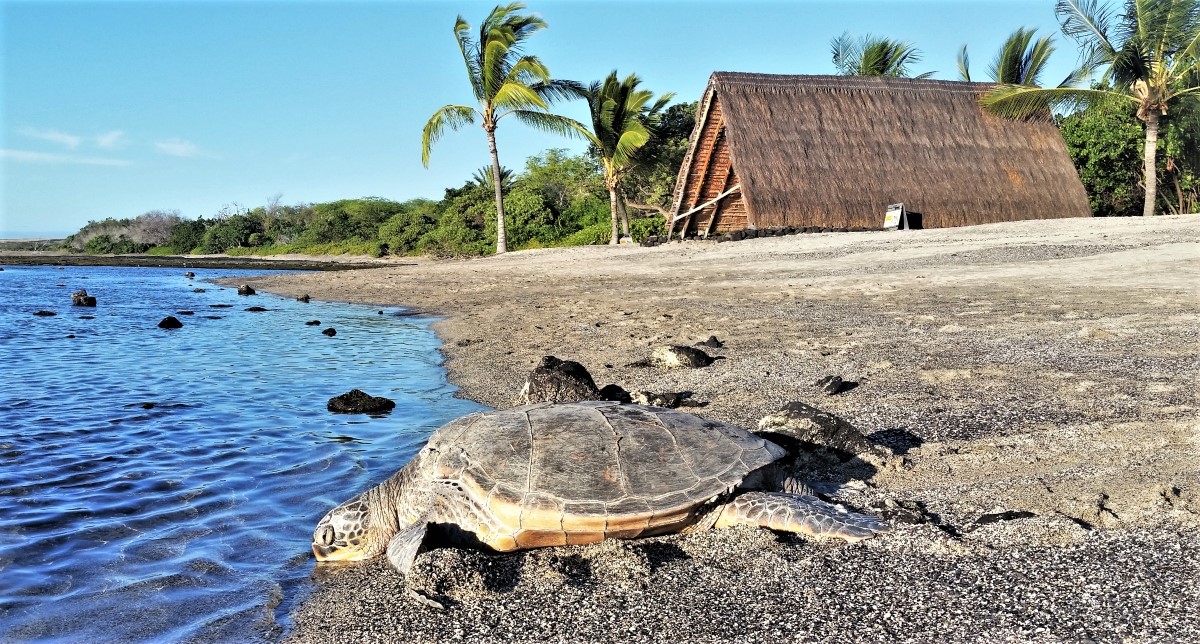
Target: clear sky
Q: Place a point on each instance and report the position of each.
(113, 109)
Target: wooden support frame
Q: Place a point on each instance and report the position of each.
(687, 215)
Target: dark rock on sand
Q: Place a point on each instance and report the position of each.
(679, 356)
(330, 332)
(712, 342)
(357, 402)
(245, 289)
(615, 393)
(45, 314)
(313, 323)
(170, 322)
(831, 385)
(81, 298)
(555, 380)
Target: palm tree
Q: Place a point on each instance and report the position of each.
(1020, 60)
(484, 178)
(1151, 56)
(871, 56)
(622, 117)
(505, 83)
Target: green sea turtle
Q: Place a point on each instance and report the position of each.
(557, 474)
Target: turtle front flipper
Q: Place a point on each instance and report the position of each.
(402, 551)
(799, 513)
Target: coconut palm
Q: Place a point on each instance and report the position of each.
(1150, 54)
(1020, 61)
(871, 56)
(505, 83)
(622, 117)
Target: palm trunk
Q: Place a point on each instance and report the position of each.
(612, 205)
(624, 213)
(1151, 177)
(501, 235)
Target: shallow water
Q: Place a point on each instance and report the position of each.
(163, 485)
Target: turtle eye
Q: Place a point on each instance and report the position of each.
(327, 536)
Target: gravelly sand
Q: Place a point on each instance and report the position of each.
(1049, 367)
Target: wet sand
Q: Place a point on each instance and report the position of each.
(1043, 373)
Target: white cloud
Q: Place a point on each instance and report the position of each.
(109, 140)
(27, 156)
(55, 136)
(178, 147)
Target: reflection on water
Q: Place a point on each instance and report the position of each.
(163, 484)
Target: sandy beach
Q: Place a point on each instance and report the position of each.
(1043, 373)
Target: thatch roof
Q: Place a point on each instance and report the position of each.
(836, 150)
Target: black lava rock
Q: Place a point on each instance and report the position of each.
(170, 322)
(330, 332)
(357, 402)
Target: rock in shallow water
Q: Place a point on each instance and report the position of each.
(170, 322)
(356, 401)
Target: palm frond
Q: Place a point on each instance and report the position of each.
(516, 96)
(450, 116)
(559, 90)
(634, 137)
(528, 70)
(964, 65)
(872, 56)
(1020, 101)
(554, 123)
(847, 57)
(462, 33)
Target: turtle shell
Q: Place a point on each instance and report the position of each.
(555, 474)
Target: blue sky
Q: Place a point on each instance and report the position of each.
(113, 109)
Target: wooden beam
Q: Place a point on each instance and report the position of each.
(702, 168)
(717, 206)
(708, 203)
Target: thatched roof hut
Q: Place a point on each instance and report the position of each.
(772, 151)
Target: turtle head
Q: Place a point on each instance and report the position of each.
(350, 533)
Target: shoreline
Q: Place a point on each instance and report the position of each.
(1044, 368)
(305, 263)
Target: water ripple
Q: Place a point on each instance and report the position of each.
(163, 484)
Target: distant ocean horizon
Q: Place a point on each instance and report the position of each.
(162, 485)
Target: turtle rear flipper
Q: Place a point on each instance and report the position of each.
(799, 513)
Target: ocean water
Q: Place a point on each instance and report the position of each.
(162, 485)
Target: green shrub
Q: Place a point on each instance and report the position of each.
(403, 231)
(159, 251)
(640, 229)
(593, 235)
(454, 237)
